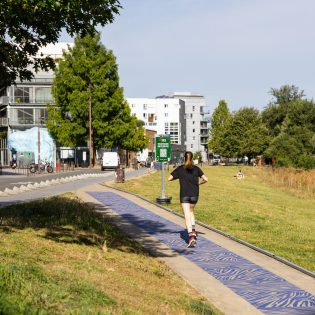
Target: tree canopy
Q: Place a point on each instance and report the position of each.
(27, 25)
(276, 111)
(219, 121)
(88, 74)
(285, 129)
(297, 133)
(245, 134)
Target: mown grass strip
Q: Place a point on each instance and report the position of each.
(58, 256)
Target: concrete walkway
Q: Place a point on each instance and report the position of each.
(236, 279)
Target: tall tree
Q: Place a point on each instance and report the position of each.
(219, 121)
(245, 134)
(297, 133)
(275, 113)
(87, 81)
(27, 25)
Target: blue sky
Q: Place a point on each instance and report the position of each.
(224, 49)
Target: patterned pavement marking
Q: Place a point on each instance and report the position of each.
(266, 291)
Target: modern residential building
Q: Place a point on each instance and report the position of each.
(180, 114)
(164, 115)
(24, 105)
(197, 131)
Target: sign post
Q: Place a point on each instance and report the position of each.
(163, 154)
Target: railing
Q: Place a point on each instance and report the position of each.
(23, 122)
(30, 100)
(4, 122)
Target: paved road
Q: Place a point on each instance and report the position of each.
(59, 188)
(10, 178)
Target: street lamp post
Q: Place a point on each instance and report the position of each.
(90, 126)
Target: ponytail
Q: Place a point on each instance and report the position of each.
(188, 160)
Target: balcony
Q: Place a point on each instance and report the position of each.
(4, 122)
(26, 100)
(27, 122)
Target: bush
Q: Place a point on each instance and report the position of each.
(306, 161)
(282, 162)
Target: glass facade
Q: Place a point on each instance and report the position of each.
(31, 94)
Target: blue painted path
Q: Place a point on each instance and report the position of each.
(266, 291)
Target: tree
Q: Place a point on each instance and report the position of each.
(87, 78)
(296, 135)
(219, 121)
(286, 94)
(27, 25)
(245, 134)
(275, 113)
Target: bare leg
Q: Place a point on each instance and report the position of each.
(187, 214)
(192, 215)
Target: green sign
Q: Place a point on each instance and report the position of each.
(163, 148)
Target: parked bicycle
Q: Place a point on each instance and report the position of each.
(41, 167)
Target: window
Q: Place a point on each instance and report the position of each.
(166, 114)
(191, 115)
(165, 105)
(145, 106)
(133, 105)
(43, 95)
(41, 115)
(193, 130)
(150, 117)
(23, 116)
(144, 115)
(22, 94)
(191, 146)
(194, 138)
(193, 108)
(193, 122)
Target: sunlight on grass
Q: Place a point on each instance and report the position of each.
(53, 261)
(276, 219)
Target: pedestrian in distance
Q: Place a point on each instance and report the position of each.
(188, 175)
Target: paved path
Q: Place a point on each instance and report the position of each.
(236, 279)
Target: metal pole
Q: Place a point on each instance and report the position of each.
(163, 181)
(38, 146)
(90, 127)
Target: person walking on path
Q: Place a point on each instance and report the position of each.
(188, 175)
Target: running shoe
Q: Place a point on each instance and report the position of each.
(192, 241)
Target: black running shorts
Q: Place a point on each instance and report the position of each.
(186, 199)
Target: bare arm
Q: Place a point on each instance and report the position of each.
(204, 179)
(170, 178)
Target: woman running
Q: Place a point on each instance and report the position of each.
(188, 175)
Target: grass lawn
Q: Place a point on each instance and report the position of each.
(58, 256)
(272, 218)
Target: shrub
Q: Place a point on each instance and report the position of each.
(306, 161)
(282, 162)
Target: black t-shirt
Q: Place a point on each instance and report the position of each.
(188, 180)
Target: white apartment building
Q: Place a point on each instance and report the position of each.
(163, 115)
(197, 131)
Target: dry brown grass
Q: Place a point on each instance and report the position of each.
(300, 182)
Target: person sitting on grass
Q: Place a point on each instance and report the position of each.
(239, 175)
